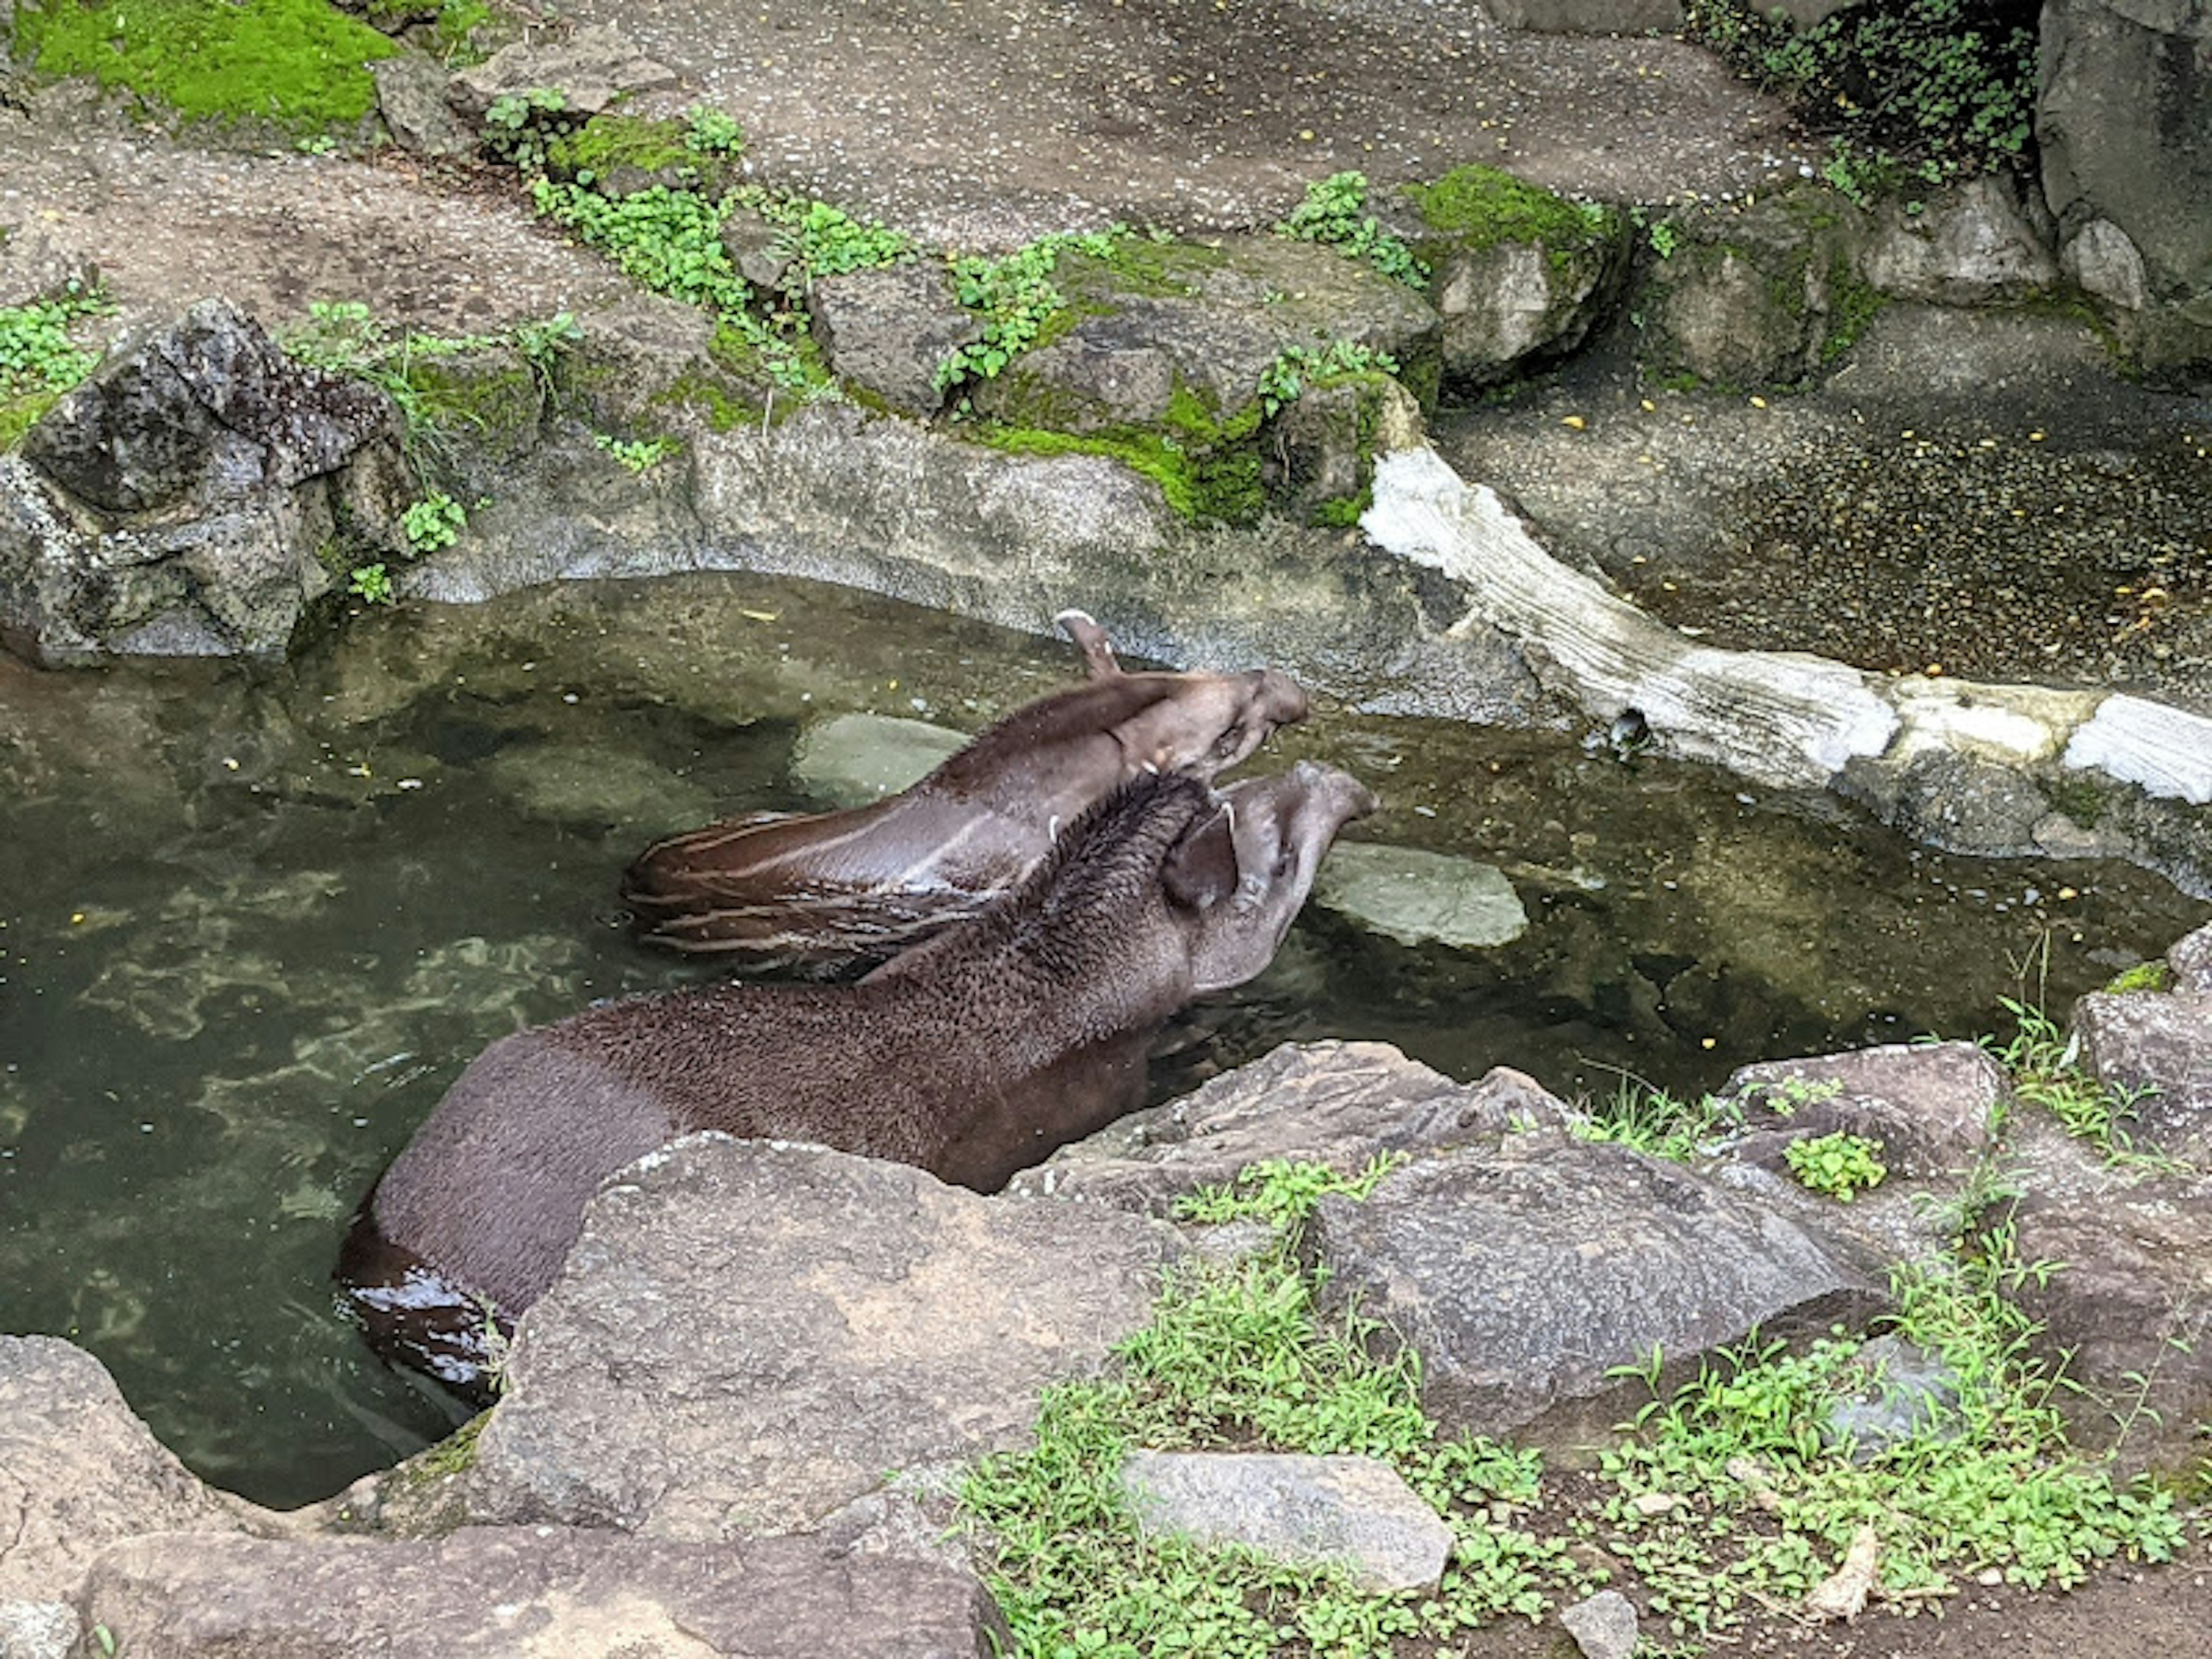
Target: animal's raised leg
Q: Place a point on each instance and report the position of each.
(1089, 638)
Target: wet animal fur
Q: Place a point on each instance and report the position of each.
(819, 890)
(971, 1056)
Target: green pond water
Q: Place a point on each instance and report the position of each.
(254, 920)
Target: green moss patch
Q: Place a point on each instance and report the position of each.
(1199, 483)
(622, 154)
(1480, 206)
(301, 65)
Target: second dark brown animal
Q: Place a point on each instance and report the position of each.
(817, 890)
(972, 1056)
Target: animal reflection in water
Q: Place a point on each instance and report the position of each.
(972, 1056)
(821, 890)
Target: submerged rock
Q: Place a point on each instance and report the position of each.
(1419, 897)
(851, 760)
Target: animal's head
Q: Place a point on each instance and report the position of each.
(1239, 876)
(1204, 724)
(1169, 889)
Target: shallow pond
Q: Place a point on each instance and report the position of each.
(253, 920)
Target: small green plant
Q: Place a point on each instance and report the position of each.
(1280, 1192)
(1920, 90)
(519, 125)
(639, 455)
(40, 359)
(1653, 1121)
(711, 132)
(1666, 236)
(371, 583)
(455, 32)
(1016, 298)
(670, 241)
(1296, 367)
(1335, 214)
(824, 241)
(320, 144)
(433, 522)
(2042, 1075)
(1839, 1165)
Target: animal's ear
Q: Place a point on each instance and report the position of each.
(1091, 639)
(1201, 869)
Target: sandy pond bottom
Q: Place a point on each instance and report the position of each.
(252, 921)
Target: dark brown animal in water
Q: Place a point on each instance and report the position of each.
(973, 1055)
(818, 890)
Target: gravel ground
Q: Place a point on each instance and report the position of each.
(1972, 492)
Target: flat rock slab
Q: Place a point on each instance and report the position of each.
(1418, 897)
(1338, 1104)
(532, 1591)
(1354, 1512)
(78, 1472)
(2155, 1050)
(749, 1335)
(1521, 1275)
(1928, 1104)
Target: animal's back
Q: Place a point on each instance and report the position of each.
(492, 1189)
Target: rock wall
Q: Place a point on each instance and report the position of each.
(2124, 121)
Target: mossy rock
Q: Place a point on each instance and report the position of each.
(1319, 467)
(618, 155)
(1758, 296)
(1518, 274)
(298, 66)
(487, 402)
(1158, 358)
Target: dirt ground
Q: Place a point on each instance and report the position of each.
(981, 122)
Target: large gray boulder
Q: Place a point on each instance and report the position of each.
(2126, 1309)
(1983, 242)
(533, 1590)
(1523, 1274)
(1339, 1103)
(2124, 126)
(748, 1336)
(177, 501)
(78, 1471)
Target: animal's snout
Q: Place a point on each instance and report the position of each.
(1341, 790)
(1281, 699)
